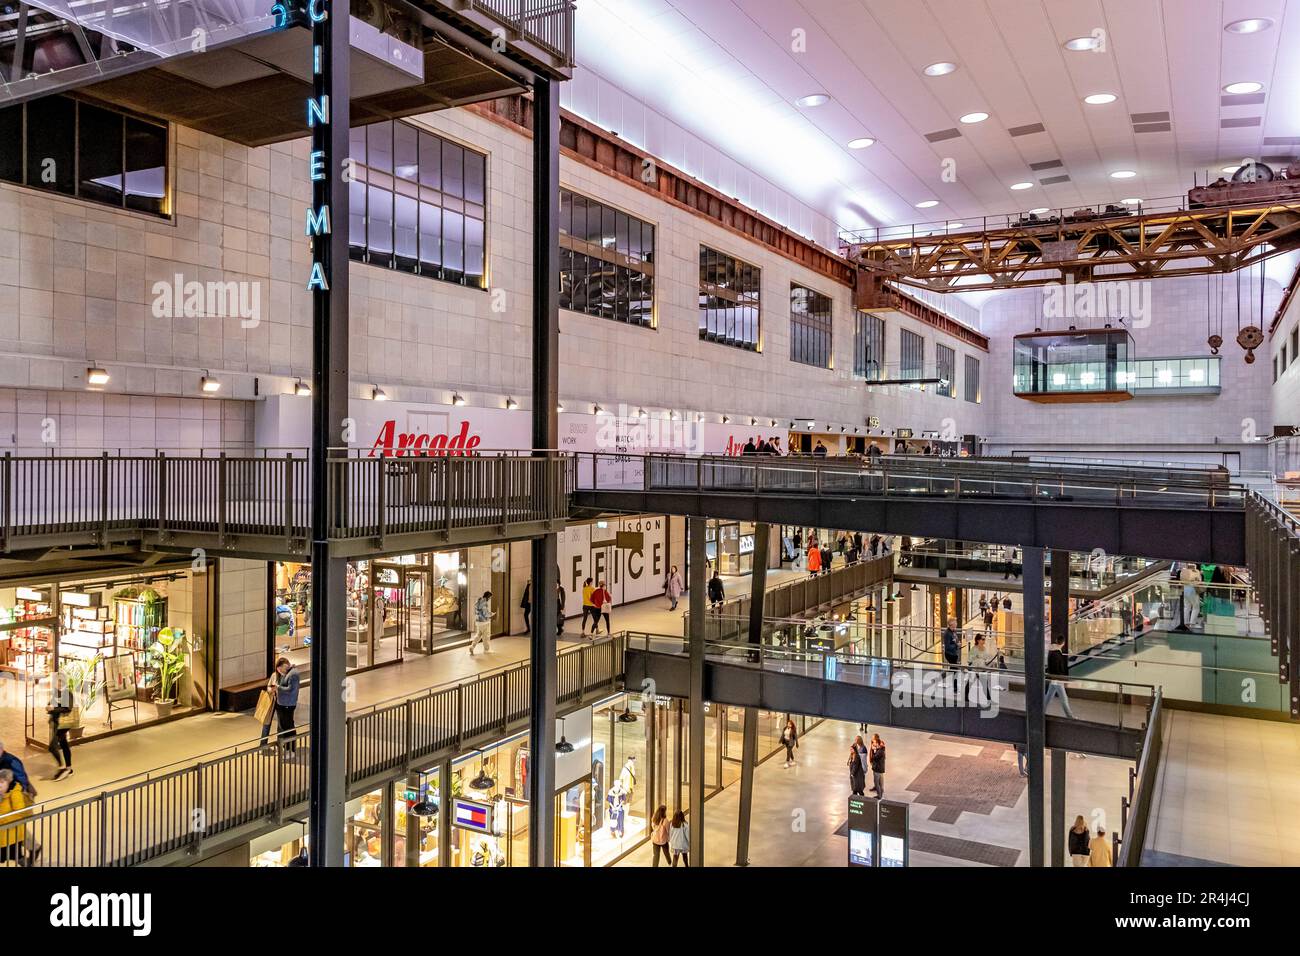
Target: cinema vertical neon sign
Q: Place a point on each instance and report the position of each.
(318, 121)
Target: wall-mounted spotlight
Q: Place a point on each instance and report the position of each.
(209, 384)
(725, 420)
(301, 388)
(511, 404)
(457, 398)
(642, 413)
(96, 376)
(596, 409)
(378, 394)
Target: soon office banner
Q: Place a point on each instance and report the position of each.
(632, 573)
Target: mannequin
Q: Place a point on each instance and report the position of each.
(616, 803)
(627, 777)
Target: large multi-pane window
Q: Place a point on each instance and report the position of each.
(78, 149)
(869, 346)
(729, 300)
(810, 327)
(911, 354)
(945, 360)
(606, 261)
(418, 203)
(972, 379)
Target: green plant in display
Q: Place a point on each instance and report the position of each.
(168, 654)
(82, 682)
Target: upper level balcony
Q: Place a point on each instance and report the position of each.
(241, 69)
(259, 505)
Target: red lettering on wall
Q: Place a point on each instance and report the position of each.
(402, 444)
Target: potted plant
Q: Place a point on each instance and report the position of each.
(168, 654)
(83, 688)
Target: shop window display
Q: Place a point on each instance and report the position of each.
(489, 815)
(620, 784)
(363, 843)
(114, 648)
(415, 820)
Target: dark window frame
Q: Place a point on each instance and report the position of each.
(972, 380)
(439, 196)
(73, 190)
(945, 369)
(617, 265)
(911, 354)
(731, 293)
(869, 346)
(812, 327)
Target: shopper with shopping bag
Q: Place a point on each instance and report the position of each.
(265, 711)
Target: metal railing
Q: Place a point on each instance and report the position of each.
(800, 596)
(182, 808)
(93, 496)
(548, 23)
(1135, 810)
(1273, 557)
(598, 471)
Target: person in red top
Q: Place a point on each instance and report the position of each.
(602, 599)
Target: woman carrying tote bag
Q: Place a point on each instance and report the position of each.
(266, 708)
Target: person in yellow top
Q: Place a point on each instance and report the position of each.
(1099, 849)
(589, 609)
(15, 806)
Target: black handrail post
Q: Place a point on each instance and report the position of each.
(8, 503)
(103, 499)
(288, 500)
(222, 488)
(381, 494)
(162, 493)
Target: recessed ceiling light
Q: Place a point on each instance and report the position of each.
(956, 225)
(1039, 211)
(1100, 99)
(1249, 25)
(812, 99)
(861, 142)
(976, 117)
(1131, 202)
(942, 68)
(1123, 174)
(1247, 87)
(1022, 185)
(1083, 44)
(927, 203)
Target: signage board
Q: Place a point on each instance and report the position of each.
(471, 815)
(119, 677)
(893, 847)
(863, 825)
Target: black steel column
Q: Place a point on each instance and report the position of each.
(749, 740)
(1061, 598)
(327, 114)
(444, 814)
(1057, 808)
(695, 731)
(546, 397)
(1035, 727)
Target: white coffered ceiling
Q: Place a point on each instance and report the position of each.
(729, 72)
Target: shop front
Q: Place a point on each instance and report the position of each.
(124, 650)
(729, 546)
(415, 604)
(630, 554)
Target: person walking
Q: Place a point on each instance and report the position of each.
(559, 609)
(679, 840)
(980, 657)
(526, 604)
(828, 557)
(1058, 669)
(673, 587)
(1078, 842)
(482, 624)
(589, 610)
(814, 559)
(789, 740)
(57, 714)
(857, 776)
(876, 757)
(716, 593)
(659, 826)
(1021, 757)
(286, 699)
(952, 653)
(1099, 853)
(603, 601)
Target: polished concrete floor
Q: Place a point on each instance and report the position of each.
(968, 802)
(1227, 792)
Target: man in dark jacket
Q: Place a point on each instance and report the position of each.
(1058, 669)
(952, 652)
(286, 700)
